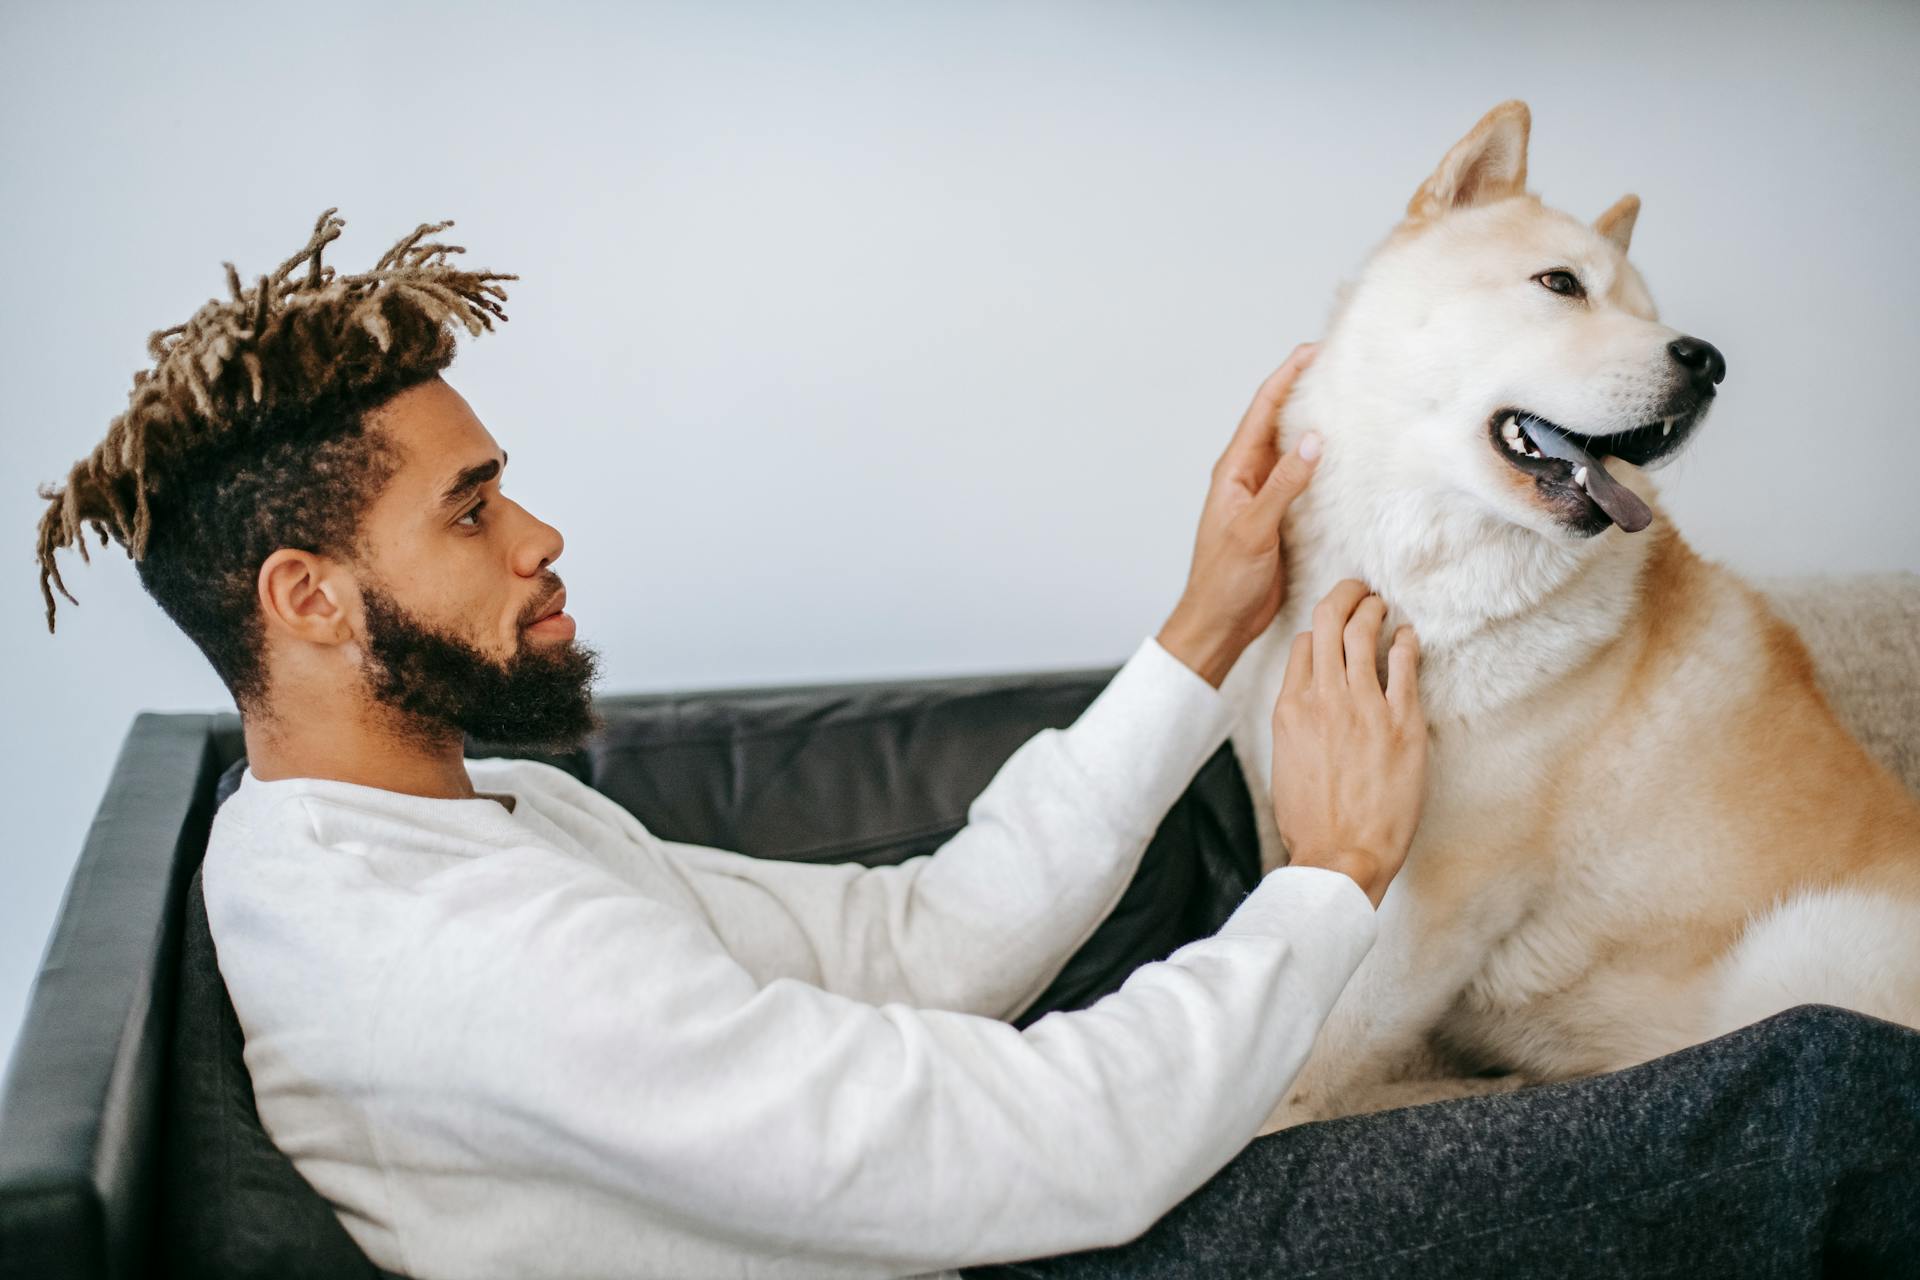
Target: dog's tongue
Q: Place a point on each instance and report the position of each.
(1622, 505)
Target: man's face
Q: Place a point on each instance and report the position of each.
(463, 621)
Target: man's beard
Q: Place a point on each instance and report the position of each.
(438, 683)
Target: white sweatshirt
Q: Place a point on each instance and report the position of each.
(546, 1042)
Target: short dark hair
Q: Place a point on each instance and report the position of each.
(252, 433)
(303, 484)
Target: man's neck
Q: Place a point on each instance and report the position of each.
(372, 756)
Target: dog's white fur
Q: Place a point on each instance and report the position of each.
(1644, 826)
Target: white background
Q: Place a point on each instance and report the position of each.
(892, 339)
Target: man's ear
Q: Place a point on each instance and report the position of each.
(1489, 164)
(1616, 224)
(301, 595)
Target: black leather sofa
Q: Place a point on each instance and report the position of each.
(129, 1145)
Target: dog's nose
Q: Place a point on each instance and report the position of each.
(1702, 359)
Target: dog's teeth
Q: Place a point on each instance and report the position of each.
(1580, 476)
(1666, 425)
(1511, 430)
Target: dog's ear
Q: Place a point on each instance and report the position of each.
(1490, 163)
(1616, 224)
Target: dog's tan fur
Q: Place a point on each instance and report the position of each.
(1644, 825)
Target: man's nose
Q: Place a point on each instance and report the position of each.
(540, 547)
(1703, 362)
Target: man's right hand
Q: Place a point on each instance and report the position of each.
(1349, 758)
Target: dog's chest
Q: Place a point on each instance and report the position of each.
(1523, 879)
(1534, 902)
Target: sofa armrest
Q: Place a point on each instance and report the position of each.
(80, 1104)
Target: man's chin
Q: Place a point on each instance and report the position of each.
(544, 700)
(440, 685)
(557, 734)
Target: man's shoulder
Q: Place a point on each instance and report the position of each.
(254, 814)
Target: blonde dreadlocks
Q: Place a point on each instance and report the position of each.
(251, 403)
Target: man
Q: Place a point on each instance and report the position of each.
(506, 1031)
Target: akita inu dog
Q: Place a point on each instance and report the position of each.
(1644, 825)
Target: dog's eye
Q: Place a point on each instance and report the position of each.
(1562, 282)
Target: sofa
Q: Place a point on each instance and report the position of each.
(129, 1145)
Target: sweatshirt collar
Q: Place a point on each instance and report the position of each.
(489, 800)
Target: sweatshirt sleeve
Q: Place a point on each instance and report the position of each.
(563, 1028)
(985, 922)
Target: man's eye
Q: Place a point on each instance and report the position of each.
(473, 511)
(1562, 282)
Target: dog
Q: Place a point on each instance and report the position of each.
(1644, 826)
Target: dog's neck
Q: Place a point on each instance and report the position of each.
(1501, 610)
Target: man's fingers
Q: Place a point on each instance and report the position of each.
(1403, 667)
(1329, 629)
(1299, 665)
(1362, 638)
(1284, 483)
(1255, 440)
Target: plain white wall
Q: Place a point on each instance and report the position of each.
(877, 340)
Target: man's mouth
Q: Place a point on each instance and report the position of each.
(552, 615)
(1568, 462)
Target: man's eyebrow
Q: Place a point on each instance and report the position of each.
(470, 479)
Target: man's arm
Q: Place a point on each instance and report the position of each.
(635, 1055)
(984, 923)
(988, 920)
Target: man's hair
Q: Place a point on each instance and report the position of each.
(249, 434)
